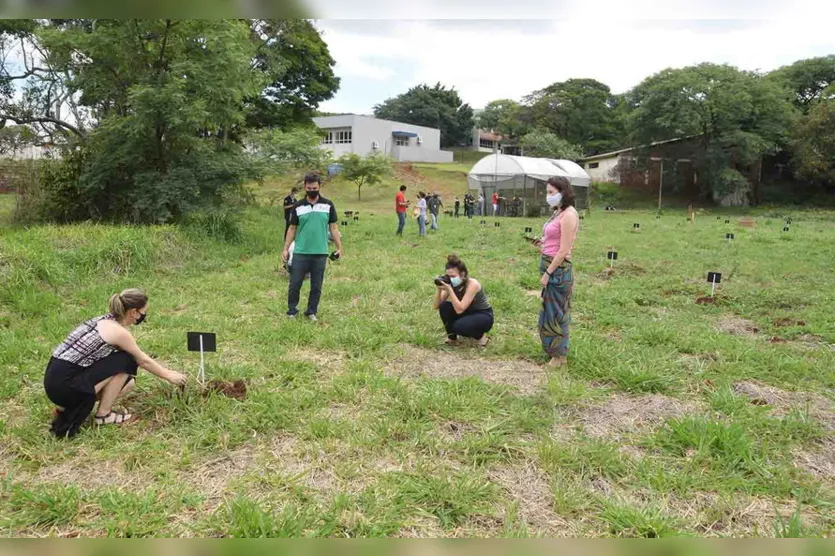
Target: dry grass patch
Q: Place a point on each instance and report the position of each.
(332, 362)
(782, 402)
(623, 414)
(737, 516)
(414, 363)
(819, 463)
(526, 485)
(732, 324)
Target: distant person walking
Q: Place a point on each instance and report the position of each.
(557, 280)
(289, 203)
(421, 208)
(434, 204)
(457, 206)
(495, 204)
(311, 220)
(400, 206)
(480, 208)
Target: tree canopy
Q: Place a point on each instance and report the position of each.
(436, 107)
(736, 117)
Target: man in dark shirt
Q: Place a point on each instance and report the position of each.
(310, 221)
(289, 203)
(433, 203)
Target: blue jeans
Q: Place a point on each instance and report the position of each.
(434, 225)
(401, 222)
(422, 225)
(302, 264)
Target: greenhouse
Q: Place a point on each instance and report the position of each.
(524, 178)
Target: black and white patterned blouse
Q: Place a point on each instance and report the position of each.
(84, 346)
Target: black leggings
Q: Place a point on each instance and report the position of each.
(74, 388)
(470, 325)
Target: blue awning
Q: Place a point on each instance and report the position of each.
(403, 134)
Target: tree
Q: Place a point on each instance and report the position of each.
(806, 79)
(503, 117)
(15, 138)
(167, 97)
(581, 111)
(544, 144)
(814, 144)
(735, 117)
(364, 171)
(281, 151)
(33, 91)
(436, 107)
(299, 71)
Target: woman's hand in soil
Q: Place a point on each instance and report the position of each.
(177, 379)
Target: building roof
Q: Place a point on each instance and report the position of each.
(621, 151)
(321, 121)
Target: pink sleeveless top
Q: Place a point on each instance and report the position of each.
(552, 234)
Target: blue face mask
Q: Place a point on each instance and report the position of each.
(455, 281)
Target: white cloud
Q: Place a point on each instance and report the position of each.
(490, 60)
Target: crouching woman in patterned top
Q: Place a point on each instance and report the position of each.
(99, 361)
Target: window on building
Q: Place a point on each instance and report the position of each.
(342, 136)
(594, 164)
(327, 139)
(486, 143)
(401, 141)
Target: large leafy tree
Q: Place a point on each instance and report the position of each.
(436, 107)
(734, 117)
(814, 144)
(504, 117)
(581, 111)
(167, 98)
(544, 144)
(299, 70)
(807, 79)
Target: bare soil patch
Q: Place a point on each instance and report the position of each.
(787, 321)
(414, 363)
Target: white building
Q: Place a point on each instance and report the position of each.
(364, 135)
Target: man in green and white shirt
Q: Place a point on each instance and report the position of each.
(310, 221)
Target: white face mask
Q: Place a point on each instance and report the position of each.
(455, 282)
(554, 200)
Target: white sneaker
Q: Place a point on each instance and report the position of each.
(312, 318)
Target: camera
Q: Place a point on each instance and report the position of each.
(442, 279)
(334, 256)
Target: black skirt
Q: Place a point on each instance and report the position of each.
(73, 388)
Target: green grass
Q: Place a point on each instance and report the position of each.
(332, 442)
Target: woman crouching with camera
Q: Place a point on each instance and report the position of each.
(462, 304)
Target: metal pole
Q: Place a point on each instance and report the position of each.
(660, 185)
(202, 368)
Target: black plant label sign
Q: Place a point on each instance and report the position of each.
(714, 277)
(209, 341)
(612, 255)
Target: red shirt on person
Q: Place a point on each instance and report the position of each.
(400, 202)
(495, 198)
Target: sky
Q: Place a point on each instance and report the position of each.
(490, 59)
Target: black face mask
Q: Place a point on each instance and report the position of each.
(141, 318)
(312, 195)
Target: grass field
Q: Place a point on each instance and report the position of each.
(673, 418)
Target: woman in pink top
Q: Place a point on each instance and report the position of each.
(558, 235)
